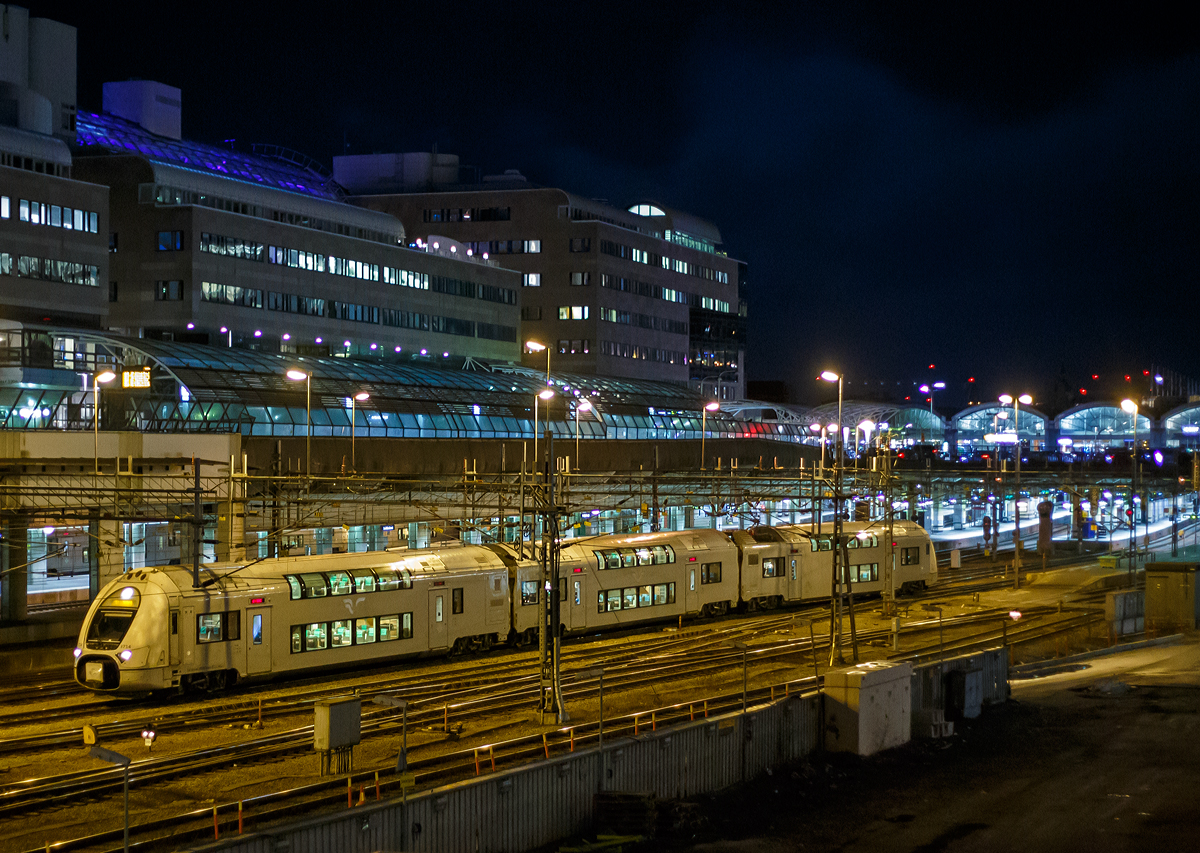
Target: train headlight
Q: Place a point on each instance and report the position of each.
(125, 655)
(78, 652)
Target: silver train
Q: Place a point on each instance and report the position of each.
(150, 630)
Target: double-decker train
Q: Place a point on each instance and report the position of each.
(151, 630)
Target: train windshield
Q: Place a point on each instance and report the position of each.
(112, 620)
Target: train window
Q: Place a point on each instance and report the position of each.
(389, 628)
(456, 600)
(497, 584)
(174, 623)
(578, 592)
(364, 580)
(910, 556)
(692, 580)
(630, 597)
(770, 567)
(529, 592)
(600, 599)
(645, 596)
(660, 593)
(364, 631)
(405, 626)
(316, 636)
(314, 585)
(339, 583)
(612, 599)
(710, 573)
(663, 554)
(297, 639)
(793, 569)
(216, 627)
(394, 578)
(437, 608)
(671, 593)
(852, 542)
(341, 633)
(294, 585)
(256, 629)
(826, 543)
(628, 557)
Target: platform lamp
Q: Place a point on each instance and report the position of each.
(545, 394)
(302, 376)
(360, 397)
(1007, 399)
(534, 346)
(835, 615)
(98, 379)
(708, 407)
(582, 406)
(1131, 408)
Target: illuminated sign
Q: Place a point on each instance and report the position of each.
(135, 379)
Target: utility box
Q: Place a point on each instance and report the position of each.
(963, 693)
(337, 724)
(1125, 612)
(1172, 602)
(868, 708)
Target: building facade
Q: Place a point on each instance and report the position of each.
(641, 293)
(259, 250)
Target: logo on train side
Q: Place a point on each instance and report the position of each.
(351, 603)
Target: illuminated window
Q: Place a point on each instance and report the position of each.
(533, 279)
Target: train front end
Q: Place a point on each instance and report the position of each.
(122, 646)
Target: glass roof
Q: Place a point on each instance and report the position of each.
(123, 137)
(211, 372)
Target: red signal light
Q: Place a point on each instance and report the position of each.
(1083, 391)
(1145, 373)
(1095, 375)
(1127, 379)
(931, 367)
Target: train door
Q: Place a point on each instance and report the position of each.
(795, 583)
(173, 640)
(437, 619)
(576, 599)
(258, 647)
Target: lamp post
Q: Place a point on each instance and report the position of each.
(708, 407)
(544, 394)
(360, 397)
(98, 379)
(1131, 408)
(835, 652)
(583, 406)
(1016, 404)
(296, 376)
(534, 346)
(867, 426)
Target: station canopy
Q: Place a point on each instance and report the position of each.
(198, 388)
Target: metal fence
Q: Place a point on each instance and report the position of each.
(537, 804)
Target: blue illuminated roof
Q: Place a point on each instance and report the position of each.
(119, 136)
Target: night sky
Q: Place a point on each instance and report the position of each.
(1008, 194)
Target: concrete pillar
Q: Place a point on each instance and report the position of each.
(231, 532)
(14, 582)
(106, 552)
(960, 515)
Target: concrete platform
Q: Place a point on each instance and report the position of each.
(1103, 757)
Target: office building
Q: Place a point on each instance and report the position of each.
(643, 292)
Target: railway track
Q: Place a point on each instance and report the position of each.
(706, 660)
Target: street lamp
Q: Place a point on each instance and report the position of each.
(835, 651)
(360, 397)
(301, 376)
(1007, 399)
(929, 389)
(534, 346)
(708, 407)
(584, 406)
(1131, 408)
(98, 379)
(545, 394)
